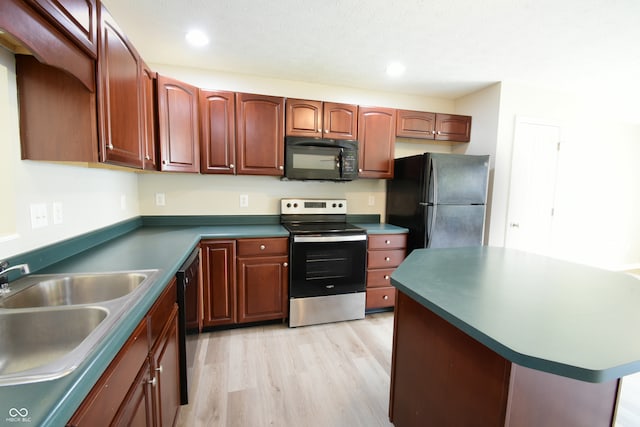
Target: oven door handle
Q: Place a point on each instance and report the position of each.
(341, 238)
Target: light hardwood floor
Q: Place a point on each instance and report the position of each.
(331, 375)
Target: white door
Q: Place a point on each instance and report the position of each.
(532, 190)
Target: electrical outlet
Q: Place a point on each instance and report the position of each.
(372, 200)
(57, 212)
(244, 200)
(160, 201)
(39, 217)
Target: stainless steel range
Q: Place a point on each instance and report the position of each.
(327, 262)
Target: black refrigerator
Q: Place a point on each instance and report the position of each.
(440, 198)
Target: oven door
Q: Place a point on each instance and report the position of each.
(329, 264)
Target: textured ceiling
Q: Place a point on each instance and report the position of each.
(450, 48)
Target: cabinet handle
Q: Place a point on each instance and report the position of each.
(285, 264)
(387, 259)
(110, 146)
(263, 247)
(159, 370)
(385, 297)
(153, 381)
(386, 277)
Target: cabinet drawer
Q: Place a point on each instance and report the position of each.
(379, 277)
(161, 311)
(387, 241)
(252, 247)
(381, 297)
(385, 259)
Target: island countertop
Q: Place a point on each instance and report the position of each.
(542, 313)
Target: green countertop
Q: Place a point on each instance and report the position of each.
(543, 313)
(52, 403)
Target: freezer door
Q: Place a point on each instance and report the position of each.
(452, 226)
(457, 179)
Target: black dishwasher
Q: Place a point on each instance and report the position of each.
(188, 277)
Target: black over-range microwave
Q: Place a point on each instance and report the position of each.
(320, 159)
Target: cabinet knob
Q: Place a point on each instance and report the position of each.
(385, 297)
(147, 157)
(439, 132)
(110, 146)
(319, 130)
(231, 166)
(386, 277)
(159, 369)
(263, 247)
(359, 170)
(387, 259)
(433, 132)
(387, 242)
(285, 264)
(281, 167)
(153, 381)
(326, 131)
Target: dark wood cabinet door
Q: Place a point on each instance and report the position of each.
(149, 143)
(178, 126)
(416, 124)
(166, 371)
(137, 408)
(260, 134)
(120, 111)
(262, 288)
(218, 132)
(77, 18)
(304, 118)
(340, 121)
(376, 137)
(451, 127)
(218, 282)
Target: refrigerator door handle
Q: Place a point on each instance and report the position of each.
(425, 204)
(434, 180)
(432, 226)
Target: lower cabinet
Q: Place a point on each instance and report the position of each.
(245, 280)
(384, 253)
(141, 386)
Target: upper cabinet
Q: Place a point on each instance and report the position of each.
(260, 134)
(217, 132)
(76, 18)
(178, 126)
(436, 126)
(120, 97)
(319, 119)
(376, 137)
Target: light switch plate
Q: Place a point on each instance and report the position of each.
(244, 200)
(39, 217)
(160, 201)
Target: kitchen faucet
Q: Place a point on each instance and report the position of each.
(4, 277)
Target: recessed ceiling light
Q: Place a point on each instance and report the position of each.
(395, 69)
(197, 38)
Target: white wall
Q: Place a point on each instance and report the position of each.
(598, 187)
(91, 198)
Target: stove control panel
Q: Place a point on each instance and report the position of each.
(313, 206)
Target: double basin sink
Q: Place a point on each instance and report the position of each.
(49, 324)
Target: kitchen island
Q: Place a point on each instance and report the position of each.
(492, 336)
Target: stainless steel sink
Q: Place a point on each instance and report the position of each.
(57, 290)
(50, 324)
(32, 339)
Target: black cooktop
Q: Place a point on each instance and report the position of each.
(321, 227)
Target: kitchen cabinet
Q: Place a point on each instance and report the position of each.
(149, 103)
(218, 282)
(384, 253)
(150, 358)
(376, 137)
(76, 18)
(178, 126)
(319, 119)
(260, 134)
(435, 126)
(120, 97)
(217, 132)
(263, 279)
(44, 29)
